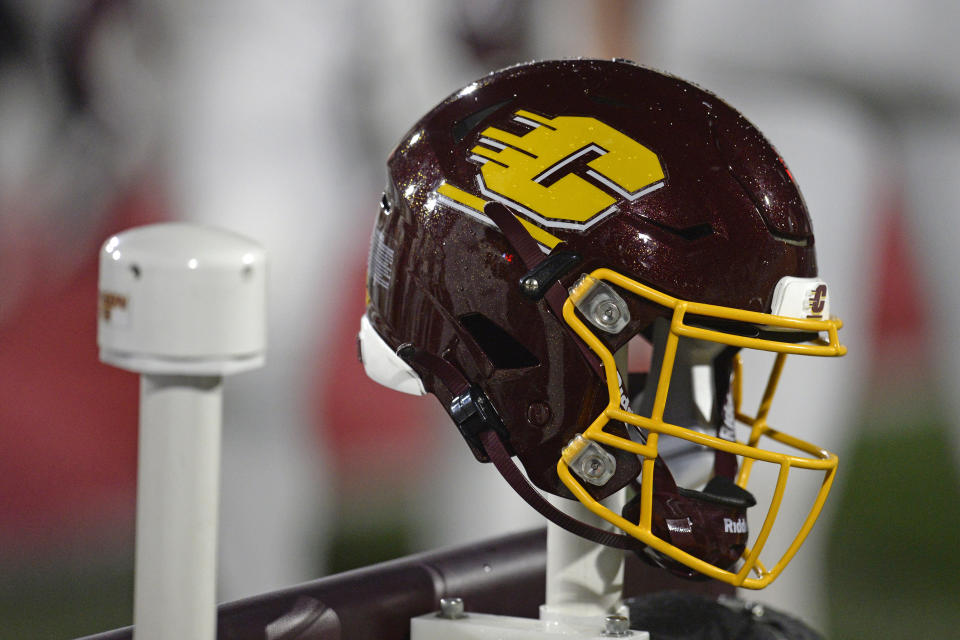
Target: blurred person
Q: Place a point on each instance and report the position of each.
(254, 144)
(77, 141)
(280, 120)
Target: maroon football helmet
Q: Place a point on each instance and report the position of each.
(545, 218)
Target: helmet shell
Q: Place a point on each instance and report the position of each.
(724, 226)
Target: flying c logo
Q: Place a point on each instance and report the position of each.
(567, 172)
(817, 301)
(539, 170)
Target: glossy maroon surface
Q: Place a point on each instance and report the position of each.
(726, 225)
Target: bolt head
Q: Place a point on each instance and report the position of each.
(538, 413)
(608, 314)
(616, 626)
(451, 608)
(594, 467)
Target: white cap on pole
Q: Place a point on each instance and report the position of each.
(182, 299)
(183, 306)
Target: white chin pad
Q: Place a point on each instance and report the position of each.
(383, 365)
(804, 298)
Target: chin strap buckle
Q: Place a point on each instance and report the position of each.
(481, 427)
(473, 414)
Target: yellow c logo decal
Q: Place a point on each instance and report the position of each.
(536, 170)
(540, 175)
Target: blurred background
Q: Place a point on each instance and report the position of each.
(274, 119)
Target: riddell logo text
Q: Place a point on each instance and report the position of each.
(734, 526)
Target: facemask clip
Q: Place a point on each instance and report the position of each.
(590, 461)
(473, 414)
(600, 304)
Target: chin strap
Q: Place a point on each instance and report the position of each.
(554, 293)
(725, 463)
(529, 252)
(515, 478)
(478, 422)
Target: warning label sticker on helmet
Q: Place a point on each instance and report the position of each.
(381, 261)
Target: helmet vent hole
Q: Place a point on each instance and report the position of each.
(463, 127)
(690, 234)
(696, 232)
(503, 350)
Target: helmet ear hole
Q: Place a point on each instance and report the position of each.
(503, 350)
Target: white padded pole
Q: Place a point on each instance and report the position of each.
(584, 579)
(177, 499)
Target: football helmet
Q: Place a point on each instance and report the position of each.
(539, 222)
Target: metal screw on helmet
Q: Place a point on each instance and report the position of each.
(590, 461)
(607, 313)
(530, 285)
(451, 608)
(616, 626)
(535, 283)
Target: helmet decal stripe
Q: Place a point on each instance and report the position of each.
(487, 154)
(476, 215)
(492, 143)
(535, 117)
(448, 192)
(549, 222)
(631, 196)
(471, 205)
(526, 121)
